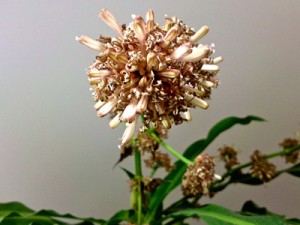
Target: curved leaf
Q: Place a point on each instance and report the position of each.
(217, 215)
(173, 179)
(16, 213)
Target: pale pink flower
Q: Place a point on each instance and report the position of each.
(159, 72)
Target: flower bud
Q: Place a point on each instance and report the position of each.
(171, 34)
(171, 73)
(210, 67)
(129, 112)
(150, 20)
(91, 43)
(142, 104)
(181, 51)
(99, 73)
(139, 28)
(196, 101)
(98, 105)
(199, 34)
(115, 121)
(152, 61)
(128, 133)
(110, 20)
(107, 107)
(197, 54)
(217, 60)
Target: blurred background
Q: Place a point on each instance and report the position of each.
(55, 152)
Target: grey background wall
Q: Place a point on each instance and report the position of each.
(55, 152)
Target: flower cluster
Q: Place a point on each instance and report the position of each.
(229, 155)
(261, 167)
(159, 158)
(159, 72)
(199, 176)
(293, 157)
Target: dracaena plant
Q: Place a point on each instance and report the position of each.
(148, 77)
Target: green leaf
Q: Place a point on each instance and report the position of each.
(217, 215)
(294, 170)
(16, 213)
(173, 179)
(293, 221)
(251, 207)
(246, 179)
(123, 215)
(129, 173)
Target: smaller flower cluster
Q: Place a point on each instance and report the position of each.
(229, 155)
(199, 176)
(292, 157)
(261, 167)
(159, 158)
(147, 144)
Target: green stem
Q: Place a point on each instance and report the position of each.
(169, 148)
(138, 177)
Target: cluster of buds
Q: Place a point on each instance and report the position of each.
(159, 158)
(229, 155)
(293, 156)
(199, 176)
(159, 72)
(261, 167)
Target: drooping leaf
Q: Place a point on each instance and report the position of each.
(217, 215)
(251, 207)
(54, 214)
(173, 179)
(16, 213)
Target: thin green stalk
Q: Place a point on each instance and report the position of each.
(138, 177)
(169, 148)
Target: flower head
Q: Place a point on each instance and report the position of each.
(199, 176)
(261, 167)
(293, 156)
(229, 155)
(157, 71)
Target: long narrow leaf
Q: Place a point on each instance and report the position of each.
(217, 215)
(17, 213)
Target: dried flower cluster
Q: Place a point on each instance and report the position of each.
(293, 157)
(157, 71)
(229, 155)
(199, 176)
(160, 158)
(261, 167)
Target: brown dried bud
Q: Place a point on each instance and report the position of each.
(229, 156)
(293, 156)
(159, 158)
(261, 168)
